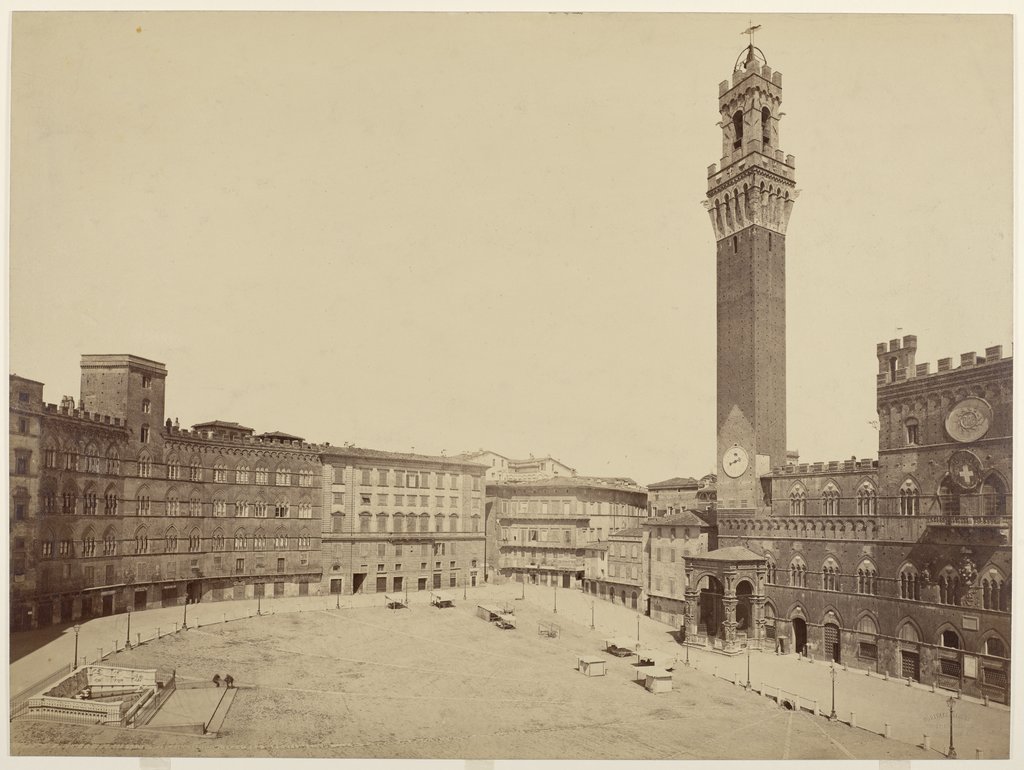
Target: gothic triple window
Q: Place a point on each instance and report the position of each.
(867, 499)
(797, 501)
(830, 500)
(909, 584)
(830, 575)
(798, 573)
(867, 578)
(910, 499)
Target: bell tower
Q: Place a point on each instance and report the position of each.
(750, 197)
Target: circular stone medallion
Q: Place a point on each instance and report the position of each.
(969, 420)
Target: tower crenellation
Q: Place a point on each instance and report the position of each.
(896, 361)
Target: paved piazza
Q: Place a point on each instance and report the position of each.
(364, 681)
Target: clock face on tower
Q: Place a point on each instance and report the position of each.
(735, 461)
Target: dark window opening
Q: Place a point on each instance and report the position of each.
(737, 126)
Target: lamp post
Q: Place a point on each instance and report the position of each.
(128, 636)
(951, 754)
(832, 717)
(74, 660)
(259, 602)
(687, 654)
(556, 594)
(184, 617)
(591, 615)
(337, 599)
(463, 587)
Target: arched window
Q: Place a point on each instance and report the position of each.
(439, 523)
(909, 585)
(69, 499)
(89, 501)
(830, 500)
(398, 521)
(867, 625)
(475, 524)
(949, 498)
(737, 129)
(242, 474)
(194, 541)
(994, 646)
(364, 521)
(950, 639)
(145, 466)
(259, 509)
(109, 543)
(867, 577)
(173, 468)
(142, 502)
(141, 541)
(280, 540)
(867, 499)
(220, 508)
(220, 471)
(993, 495)
(173, 503)
(282, 508)
(283, 477)
(908, 632)
(797, 501)
(262, 474)
(92, 459)
(995, 591)
(911, 426)
(218, 540)
(382, 522)
(453, 523)
(195, 505)
(171, 541)
(766, 127)
(949, 586)
(769, 569)
(910, 499)
(241, 508)
(113, 462)
(110, 501)
(259, 541)
(89, 543)
(240, 540)
(830, 575)
(46, 545)
(195, 470)
(424, 522)
(798, 572)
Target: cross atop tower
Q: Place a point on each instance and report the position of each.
(750, 31)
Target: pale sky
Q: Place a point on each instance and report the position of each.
(439, 232)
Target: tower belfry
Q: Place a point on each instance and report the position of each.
(749, 200)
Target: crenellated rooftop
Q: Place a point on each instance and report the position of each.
(265, 440)
(831, 466)
(897, 364)
(93, 418)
